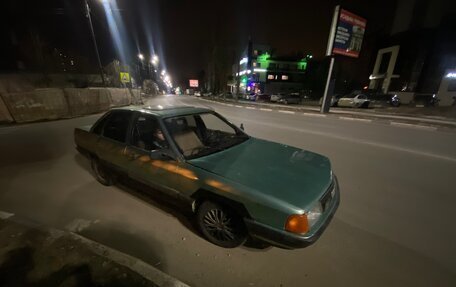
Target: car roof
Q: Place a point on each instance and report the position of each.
(166, 111)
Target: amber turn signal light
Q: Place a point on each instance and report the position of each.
(297, 223)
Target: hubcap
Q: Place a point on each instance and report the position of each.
(219, 225)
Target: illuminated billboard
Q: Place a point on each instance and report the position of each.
(193, 83)
(349, 34)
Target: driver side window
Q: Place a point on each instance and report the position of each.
(147, 134)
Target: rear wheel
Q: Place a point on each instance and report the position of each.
(101, 172)
(221, 225)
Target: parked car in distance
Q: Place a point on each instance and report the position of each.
(354, 100)
(208, 94)
(334, 100)
(276, 97)
(237, 185)
(290, 99)
(384, 100)
(263, 98)
(250, 97)
(197, 94)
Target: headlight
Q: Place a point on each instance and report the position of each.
(314, 213)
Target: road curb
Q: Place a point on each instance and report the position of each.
(148, 272)
(145, 270)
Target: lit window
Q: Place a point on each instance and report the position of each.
(255, 52)
(284, 77)
(270, 77)
(254, 64)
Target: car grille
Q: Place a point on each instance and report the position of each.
(325, 200)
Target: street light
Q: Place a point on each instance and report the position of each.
(154, 60)
(141, 56)
(94, 42)
(163, 72)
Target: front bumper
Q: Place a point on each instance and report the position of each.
(288, 240)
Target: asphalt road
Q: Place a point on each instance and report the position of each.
(395, 225)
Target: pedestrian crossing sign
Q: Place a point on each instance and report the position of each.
(124, 77)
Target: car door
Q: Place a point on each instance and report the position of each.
(110, 147)
(150, 160)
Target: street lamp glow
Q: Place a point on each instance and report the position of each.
(141, 56)
(163, 72)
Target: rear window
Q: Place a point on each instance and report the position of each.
(98, 127)
(116, 126)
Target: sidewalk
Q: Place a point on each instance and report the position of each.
(405, 113)
(31, 255)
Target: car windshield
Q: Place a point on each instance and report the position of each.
(198, 135)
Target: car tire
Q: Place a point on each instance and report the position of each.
(220, 225)
(101, 172)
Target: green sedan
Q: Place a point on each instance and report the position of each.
(237, 185)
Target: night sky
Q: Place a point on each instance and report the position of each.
(182, 32)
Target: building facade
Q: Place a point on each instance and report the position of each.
(419, 52)
(260, 71)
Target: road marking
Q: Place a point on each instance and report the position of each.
(250, 108)
(405, 125)
(355, 119)
(266, 110)
(353, 140)
(239, 106)
(314, 115)
(286, 112)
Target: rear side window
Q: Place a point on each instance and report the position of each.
(117, 125)
(98, 128)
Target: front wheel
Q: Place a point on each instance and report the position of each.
(101, 172)
(220, 225)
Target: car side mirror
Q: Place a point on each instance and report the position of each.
(242, 126)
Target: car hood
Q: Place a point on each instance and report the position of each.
(296, 176)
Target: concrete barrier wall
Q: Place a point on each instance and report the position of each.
(41, 104)
(135, 96)
(119, 97)
(50, 104)
(87, 101)
(5, 116)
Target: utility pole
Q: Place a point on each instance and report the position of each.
(326, 103)
(94, 42)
